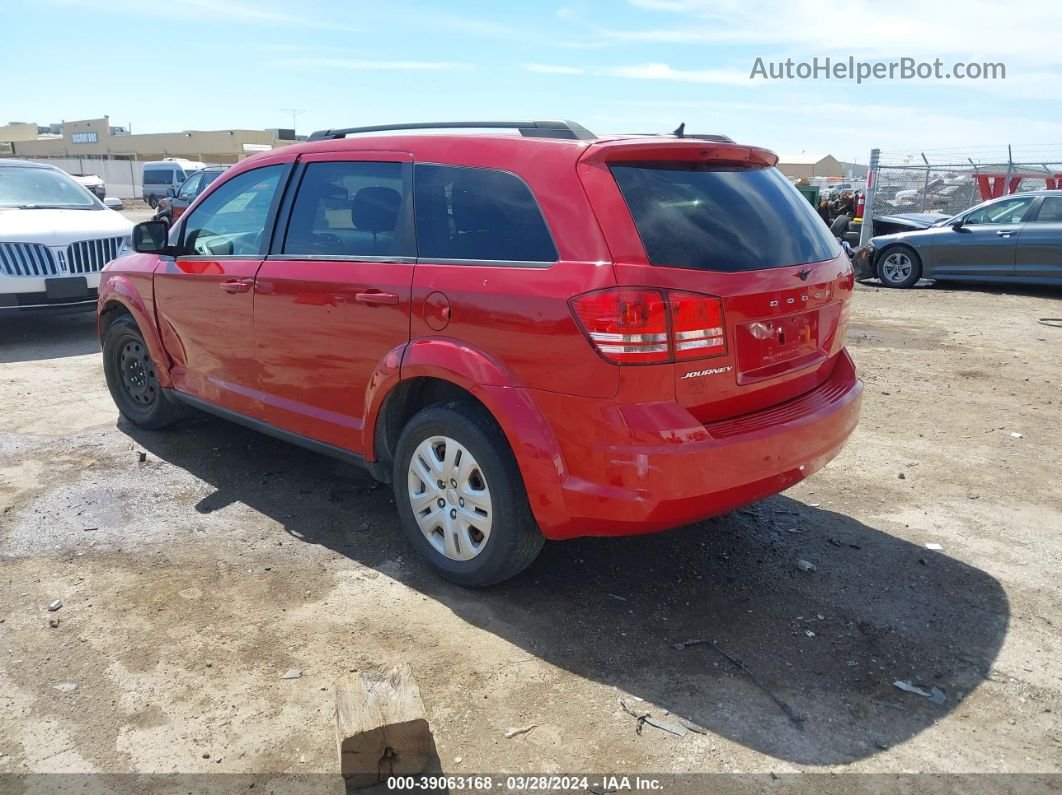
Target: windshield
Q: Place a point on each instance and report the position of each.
(42, 188)
(706, 216)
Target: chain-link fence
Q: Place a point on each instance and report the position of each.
(952, 180)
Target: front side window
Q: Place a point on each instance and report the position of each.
(232, 220)
(189, 189)
(348, 209)
(207, 178)
(1009, 211)
(1050, 211)
(478, 214)
(706, 216)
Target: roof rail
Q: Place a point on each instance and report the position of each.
(568, 130)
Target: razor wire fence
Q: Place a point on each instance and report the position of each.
(949, 181)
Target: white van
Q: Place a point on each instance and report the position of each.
(161, 175)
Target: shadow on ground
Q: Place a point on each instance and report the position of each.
(25, 338)
(827, 645)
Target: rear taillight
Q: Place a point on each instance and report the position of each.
(861, 203)
(696, 325)
(625, 326)
(638, 326)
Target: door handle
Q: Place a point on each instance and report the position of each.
(1005, 232)
(375, 297)
(236, 285)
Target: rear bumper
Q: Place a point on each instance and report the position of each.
(633, 471)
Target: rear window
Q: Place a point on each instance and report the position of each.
(710, 217)
(478, 214)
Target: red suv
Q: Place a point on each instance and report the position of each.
(532, 334)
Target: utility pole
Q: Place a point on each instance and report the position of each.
(295, 113)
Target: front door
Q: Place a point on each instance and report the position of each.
(986, 244)
(1040, 244)
(333, 297)
(205, 295)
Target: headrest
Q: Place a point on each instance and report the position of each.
(376, 209)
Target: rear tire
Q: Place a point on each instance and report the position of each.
(460, 496)
(899, 266)
(132, 378)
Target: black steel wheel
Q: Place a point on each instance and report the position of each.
(132, 377)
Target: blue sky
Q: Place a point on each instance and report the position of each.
(612, 65)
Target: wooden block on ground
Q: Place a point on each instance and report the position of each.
(381, 729)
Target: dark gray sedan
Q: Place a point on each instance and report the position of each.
(1013, 239)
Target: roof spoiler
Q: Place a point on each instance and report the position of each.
(687, 149)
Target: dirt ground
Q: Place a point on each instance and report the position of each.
(192, 580)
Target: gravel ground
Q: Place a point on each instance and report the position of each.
(192, 579)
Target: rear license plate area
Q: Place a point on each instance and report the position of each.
(770, 347)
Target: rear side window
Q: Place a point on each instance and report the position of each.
(348, 209)
(707, 217)
(478, 214)
(158, 176)
(1050, 211)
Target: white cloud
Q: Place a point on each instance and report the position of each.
(662, 71)
(1026, 33)
(553, 69)
(214, 10)
(374, 66)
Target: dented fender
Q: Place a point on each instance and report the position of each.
(119, 289)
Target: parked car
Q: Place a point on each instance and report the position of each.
(163, 175)
(533, 336)
(1014, 239)
(888, 224)
(55, 238)
(176, 202)
(93, 183)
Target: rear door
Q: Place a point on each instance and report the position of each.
(716, 220)
(986, 244)
(204, 296)
(333, 297)
(1039, 254)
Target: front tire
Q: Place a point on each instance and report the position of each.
(132, 378)
(899, 266)
(460, 496)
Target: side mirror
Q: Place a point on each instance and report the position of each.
(958, 225)
(151, 237)
(171, 192)
(113, 202)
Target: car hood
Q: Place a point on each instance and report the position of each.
(913, 237)
(913, 220)
(59, 227)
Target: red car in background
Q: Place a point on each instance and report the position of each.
(535, 335)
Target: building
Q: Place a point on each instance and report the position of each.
(97, 139)
(805, 166)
